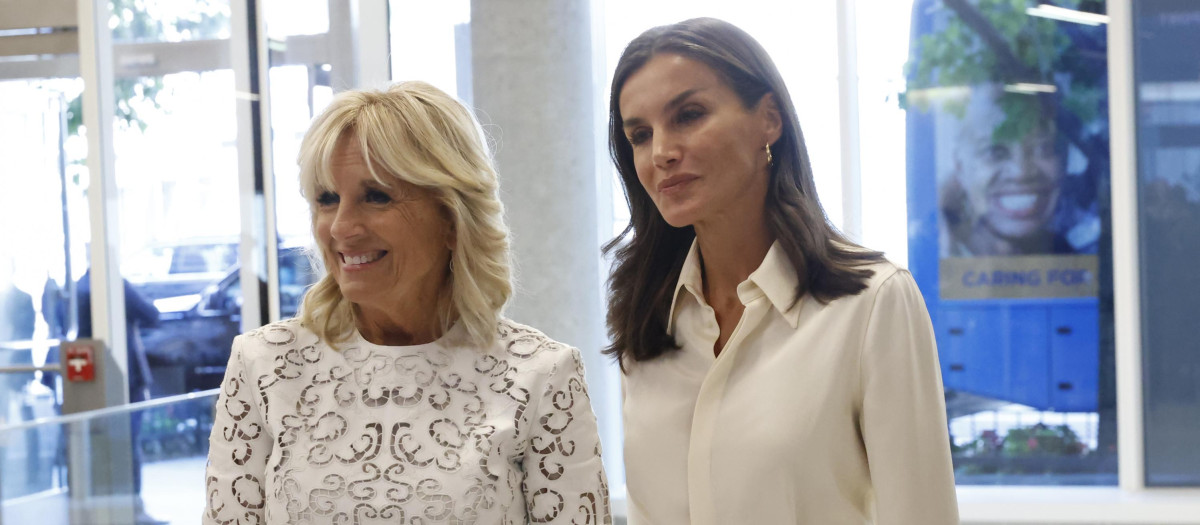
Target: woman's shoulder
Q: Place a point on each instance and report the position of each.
(274, 339)
(880, 267)
(885, 276)
(889, 280)
(883, 271)
(524, 343)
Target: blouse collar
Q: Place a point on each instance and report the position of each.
(775, 278)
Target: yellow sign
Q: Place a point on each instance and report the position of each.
(1024, 277)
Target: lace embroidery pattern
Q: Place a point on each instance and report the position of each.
(415, 435)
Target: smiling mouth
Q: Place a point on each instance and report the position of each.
(1021, 204)
(362, 258)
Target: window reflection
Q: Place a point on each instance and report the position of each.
(1168, 156)
(1008, 236)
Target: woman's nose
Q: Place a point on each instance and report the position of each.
(346, 222)
(1027, 159)
(665, 151)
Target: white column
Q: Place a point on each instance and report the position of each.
(340, 45)
(107, 439)
(848, 113)
(107, 288)
(1126, 286)
(372, 47)
(532, 70)
(532, 75)
(248, 58)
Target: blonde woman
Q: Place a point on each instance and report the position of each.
(401, 394)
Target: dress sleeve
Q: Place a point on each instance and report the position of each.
(563, 473)
(238, 450)
(903, 416)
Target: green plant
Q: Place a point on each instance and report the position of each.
(1045, 440)
(152, 20)
(996, 41)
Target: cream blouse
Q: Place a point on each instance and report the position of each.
(434, 433)
(813, 413)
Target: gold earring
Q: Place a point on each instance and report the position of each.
(769, 158)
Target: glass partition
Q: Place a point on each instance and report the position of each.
(44, 213)
(79, 468)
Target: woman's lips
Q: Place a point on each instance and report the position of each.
(675, 183)
(1021, 203)
(358, 260)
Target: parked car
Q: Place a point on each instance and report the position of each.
(180, 269)
(189, 348)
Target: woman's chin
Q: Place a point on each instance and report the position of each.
(678, 218)
(356, 293)
(1017, 229)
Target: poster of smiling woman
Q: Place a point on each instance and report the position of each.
(1010, 108)
(1007, 155)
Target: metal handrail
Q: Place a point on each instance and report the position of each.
(30, 368)
(110, 411)
(26, 344)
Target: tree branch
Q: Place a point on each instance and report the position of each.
(1005, 58)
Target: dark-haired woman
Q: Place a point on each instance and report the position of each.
(774, 371)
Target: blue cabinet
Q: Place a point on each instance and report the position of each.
(973, 362)
(1074, 358)
(1042, 356)
(1029, 360)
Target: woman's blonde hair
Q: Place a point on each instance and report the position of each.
(414, 132)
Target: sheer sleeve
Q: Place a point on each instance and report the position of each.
(903, 416)
(563, 474)
(238, 450)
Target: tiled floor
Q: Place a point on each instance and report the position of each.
(174, 490)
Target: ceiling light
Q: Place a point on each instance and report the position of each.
(1030, 89)
(1067, 15)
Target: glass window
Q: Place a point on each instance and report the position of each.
(1168, 157)
(296, 18)
(140, 21)
(431, 42)
(44, 184)
(175, 142)
(1006, 163)
(882, 48)
(301, 81)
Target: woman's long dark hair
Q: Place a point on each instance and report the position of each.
(649, 254)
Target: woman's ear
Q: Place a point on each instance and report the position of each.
(451, 230)
(451, 237)
(768, 109)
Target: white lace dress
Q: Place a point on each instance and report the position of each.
(424, 434)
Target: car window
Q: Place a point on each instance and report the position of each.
(203, 258)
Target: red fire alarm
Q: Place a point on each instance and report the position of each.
(79, 360)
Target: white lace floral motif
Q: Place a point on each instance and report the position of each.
(424, 434)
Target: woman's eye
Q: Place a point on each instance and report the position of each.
(377, 197)
(689, 114)
(639, 136)
(327, 198)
